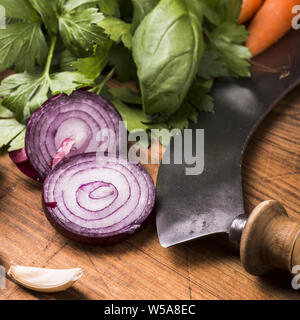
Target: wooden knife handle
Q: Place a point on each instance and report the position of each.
(270, 239)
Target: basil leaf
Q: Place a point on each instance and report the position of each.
(167, 48)
(141, 9)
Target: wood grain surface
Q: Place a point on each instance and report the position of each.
(140, 268)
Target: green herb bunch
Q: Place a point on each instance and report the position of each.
(172, 49)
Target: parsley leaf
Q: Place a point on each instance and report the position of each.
(233, 55)
(225, 53)
(5, 113)
(231, 31)
(70, 5)
(117, 30)
(132, 114)
(135, 117)
(211, 65)
(24, 93)
(210, 14)
(180, 119)
(47, 10)
(199, 95)
(79, 31)
(92, 66)
(10, 128)
(218, 11)
(66, 61)
(126, 95)
(22, 43)
(19, 9)
(67, 82)
(198, 99)
(88, 41)
(18, 142)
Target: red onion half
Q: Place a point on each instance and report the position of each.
(70, 125)
(98, 200)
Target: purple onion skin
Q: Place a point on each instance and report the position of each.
(20, 159)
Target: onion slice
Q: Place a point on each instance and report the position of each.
(83, 117)
(98, 200)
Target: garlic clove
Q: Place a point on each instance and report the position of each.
(44, 280)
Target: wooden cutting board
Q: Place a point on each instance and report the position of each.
(140, 268)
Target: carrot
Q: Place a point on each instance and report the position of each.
(249, 8)
(272, 22)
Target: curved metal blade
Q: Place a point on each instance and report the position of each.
(190, 207)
